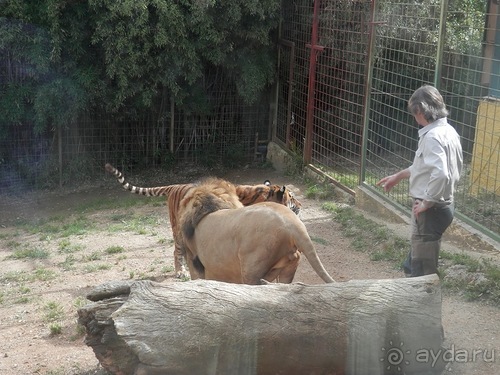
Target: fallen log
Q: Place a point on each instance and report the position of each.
(358, 327)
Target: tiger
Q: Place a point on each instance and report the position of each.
(247, 195)
(226, 241)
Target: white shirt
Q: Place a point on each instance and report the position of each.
(437, 164)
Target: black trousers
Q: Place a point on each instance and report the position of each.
(426, 233)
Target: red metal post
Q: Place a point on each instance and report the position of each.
(312, 83)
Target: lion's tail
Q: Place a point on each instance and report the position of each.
(199, 267)
(306, 246)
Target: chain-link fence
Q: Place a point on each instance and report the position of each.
(224, 130)
(139, 84)
(345, 72)
(348, 68)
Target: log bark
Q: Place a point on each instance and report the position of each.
(358, 327)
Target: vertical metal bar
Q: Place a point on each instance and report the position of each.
(274, 121)
(312, 83)
(172, 124)
(440, 47)
(275, 102)
(290, 95)
(59, 151)
(273, 111)
(290, 89)
(368, 89)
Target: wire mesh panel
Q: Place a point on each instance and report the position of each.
(221, 130)
(471, 88)
(340, 85)
(403, 59)
(335, 103)
(411, 50)
(294, 74)
(357, 84)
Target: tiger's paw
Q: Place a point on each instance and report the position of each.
(183, 274)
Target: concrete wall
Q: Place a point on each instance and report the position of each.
(280, 158)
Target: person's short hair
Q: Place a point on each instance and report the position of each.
(427, 101)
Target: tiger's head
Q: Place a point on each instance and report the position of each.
(281, 194)
(266, 192)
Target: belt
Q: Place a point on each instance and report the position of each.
(436, 204)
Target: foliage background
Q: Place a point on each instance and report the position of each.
(113, 70)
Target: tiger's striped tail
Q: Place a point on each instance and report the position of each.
(149, 192)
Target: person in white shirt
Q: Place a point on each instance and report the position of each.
(433, 177)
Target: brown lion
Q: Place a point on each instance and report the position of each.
(247, 194)
(227, 241)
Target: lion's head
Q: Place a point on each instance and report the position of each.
(208, 196)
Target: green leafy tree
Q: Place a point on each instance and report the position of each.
(40, 85)
(129, 52)
(60, 59)
(148, 45)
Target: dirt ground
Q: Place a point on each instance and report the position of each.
(28, 287)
